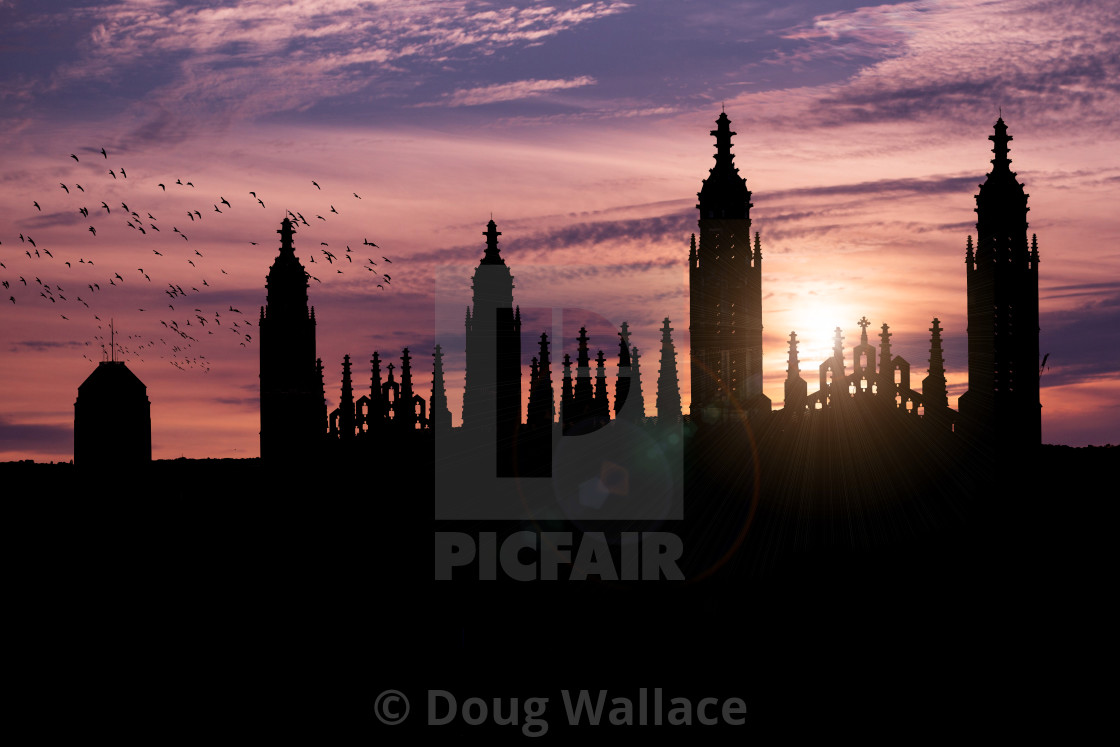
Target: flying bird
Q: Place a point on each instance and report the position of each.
(64, 187)
(36, 204)
(112, 174)
(316, 184)
(356, 195)
(73, 156)
(122, 173)
(163, 187)
(224, 202)
(93, 230)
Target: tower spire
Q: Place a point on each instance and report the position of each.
(492, 257)
(668, 386)
(440, 414)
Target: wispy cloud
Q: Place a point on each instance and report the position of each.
(520, 89)
(259, 57)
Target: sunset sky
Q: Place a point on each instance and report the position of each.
(582, 127)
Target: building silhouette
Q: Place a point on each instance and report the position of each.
(876, 392)
(293, 402)
(112, 418)
(492, 387)
(725, 295)
(1002, 405)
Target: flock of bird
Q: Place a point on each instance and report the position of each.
(176, 328)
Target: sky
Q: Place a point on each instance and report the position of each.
(583, 129)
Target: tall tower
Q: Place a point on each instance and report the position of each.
(293, 417)
(1001, 407)
(492, 391)
(725, 288)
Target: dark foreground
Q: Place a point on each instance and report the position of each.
(835, 595)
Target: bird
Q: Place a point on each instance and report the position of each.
(163, 187)
(225, 202)
(64, 187)
(107, 210)
(93, 230)
(316, 184)
(106, 155)
(112, 174)
(157, 253)
(333, 210)
(79, 186)
(122, 173)
(387, 260)
(261, 202)
(48, 253)
(74, 157)
(216, 210)
(36, 204)
(356, 195)
(84, 211)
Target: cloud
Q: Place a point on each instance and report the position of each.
(938, 59)
(29, 437)
(259, 57)
(520, 89)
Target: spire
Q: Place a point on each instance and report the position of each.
(638, 408)
(492, 233)
(935, 396)
(440, 413)
(838, 347)
(346, 403)
(406, 408)
(542, 402)
(567, 398)
(863, 325)
(625, 371)
(796, 387)
(793, 369)
(886, 359)
(936, 356)
(969, 252)
(1000, 140)
(668, 387)
(286, 232)
(724, 193)
(602, 402)
(583, 394)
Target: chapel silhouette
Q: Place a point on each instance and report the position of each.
(874, 399)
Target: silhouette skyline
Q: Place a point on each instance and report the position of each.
(288, 213)
(872, 196)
